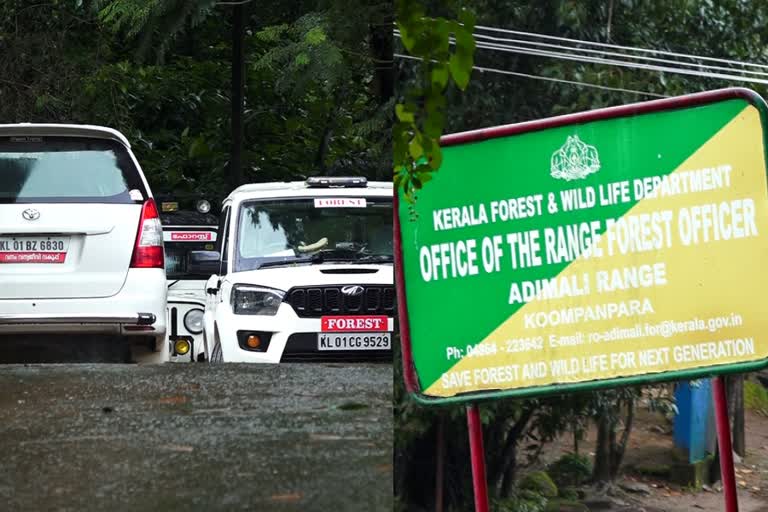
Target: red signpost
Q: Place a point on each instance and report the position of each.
(477, 456)
(724, 445)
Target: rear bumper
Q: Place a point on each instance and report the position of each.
(137, 310)
(137, 319)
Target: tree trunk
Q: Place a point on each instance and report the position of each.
(508, 475)
(575, 441)
(325, 136)
(736, 397)
(617, 450)
(440, 465)
(507, 467)
(238, 89)
(602, 469)
(381, 45)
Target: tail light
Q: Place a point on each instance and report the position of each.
(148, 251)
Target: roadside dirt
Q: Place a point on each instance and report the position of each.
(651, 441)
(751, 473)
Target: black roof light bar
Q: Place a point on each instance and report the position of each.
(336, 182)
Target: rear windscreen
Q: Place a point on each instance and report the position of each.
(67, 170)
(176, 258)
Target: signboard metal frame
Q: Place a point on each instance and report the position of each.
(668, 104)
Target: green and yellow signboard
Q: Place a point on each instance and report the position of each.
(612, 247)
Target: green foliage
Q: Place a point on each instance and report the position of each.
(571, 469)
(315, 112)
(539, 482)
(561, 505)
(521, 501)
(755, 397)
(171, 117)
(302, 56)
(420, 113)
(568, 493)
(154, 23)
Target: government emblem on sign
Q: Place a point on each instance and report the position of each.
(575, 160)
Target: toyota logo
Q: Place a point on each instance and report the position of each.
(352, 290)
(30, 214)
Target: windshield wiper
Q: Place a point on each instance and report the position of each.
(315, 258)
(378, 258)
(328, 256)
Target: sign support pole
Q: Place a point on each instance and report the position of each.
(724, 445)
(477, 455)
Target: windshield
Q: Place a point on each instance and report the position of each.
(178, 243)
(313, 230)
(65, 170)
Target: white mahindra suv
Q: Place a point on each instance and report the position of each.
(185, 231)
(303, 271)
(81, 244)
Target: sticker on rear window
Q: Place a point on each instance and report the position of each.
(189, 236)
(136, 195)
(26, 139)
(340, 202)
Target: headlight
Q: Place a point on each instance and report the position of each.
(256, 300)
(203, 206)
(193, 321)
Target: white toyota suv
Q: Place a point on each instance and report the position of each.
(303, 271)
(81, 245)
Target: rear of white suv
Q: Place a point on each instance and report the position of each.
(81, 244)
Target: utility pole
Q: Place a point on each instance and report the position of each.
(238, 89)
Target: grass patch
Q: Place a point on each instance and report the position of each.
(352, 406)
(756, 397)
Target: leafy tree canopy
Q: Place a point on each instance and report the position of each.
(318, 85)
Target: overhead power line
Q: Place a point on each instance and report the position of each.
(551, 79)
(619, 47)
(612, 62)
(615, 62)
(505, 41)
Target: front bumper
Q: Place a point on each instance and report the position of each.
(291, 339)
(177, 309)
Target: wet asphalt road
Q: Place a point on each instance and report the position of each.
(196, 437)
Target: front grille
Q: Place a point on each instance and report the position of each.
(317, 301)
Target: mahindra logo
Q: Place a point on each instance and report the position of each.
(30, 214)
(352, 290)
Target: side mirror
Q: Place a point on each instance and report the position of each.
(203, 263)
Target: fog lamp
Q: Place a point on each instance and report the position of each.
(181, 347)
(253, 341)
